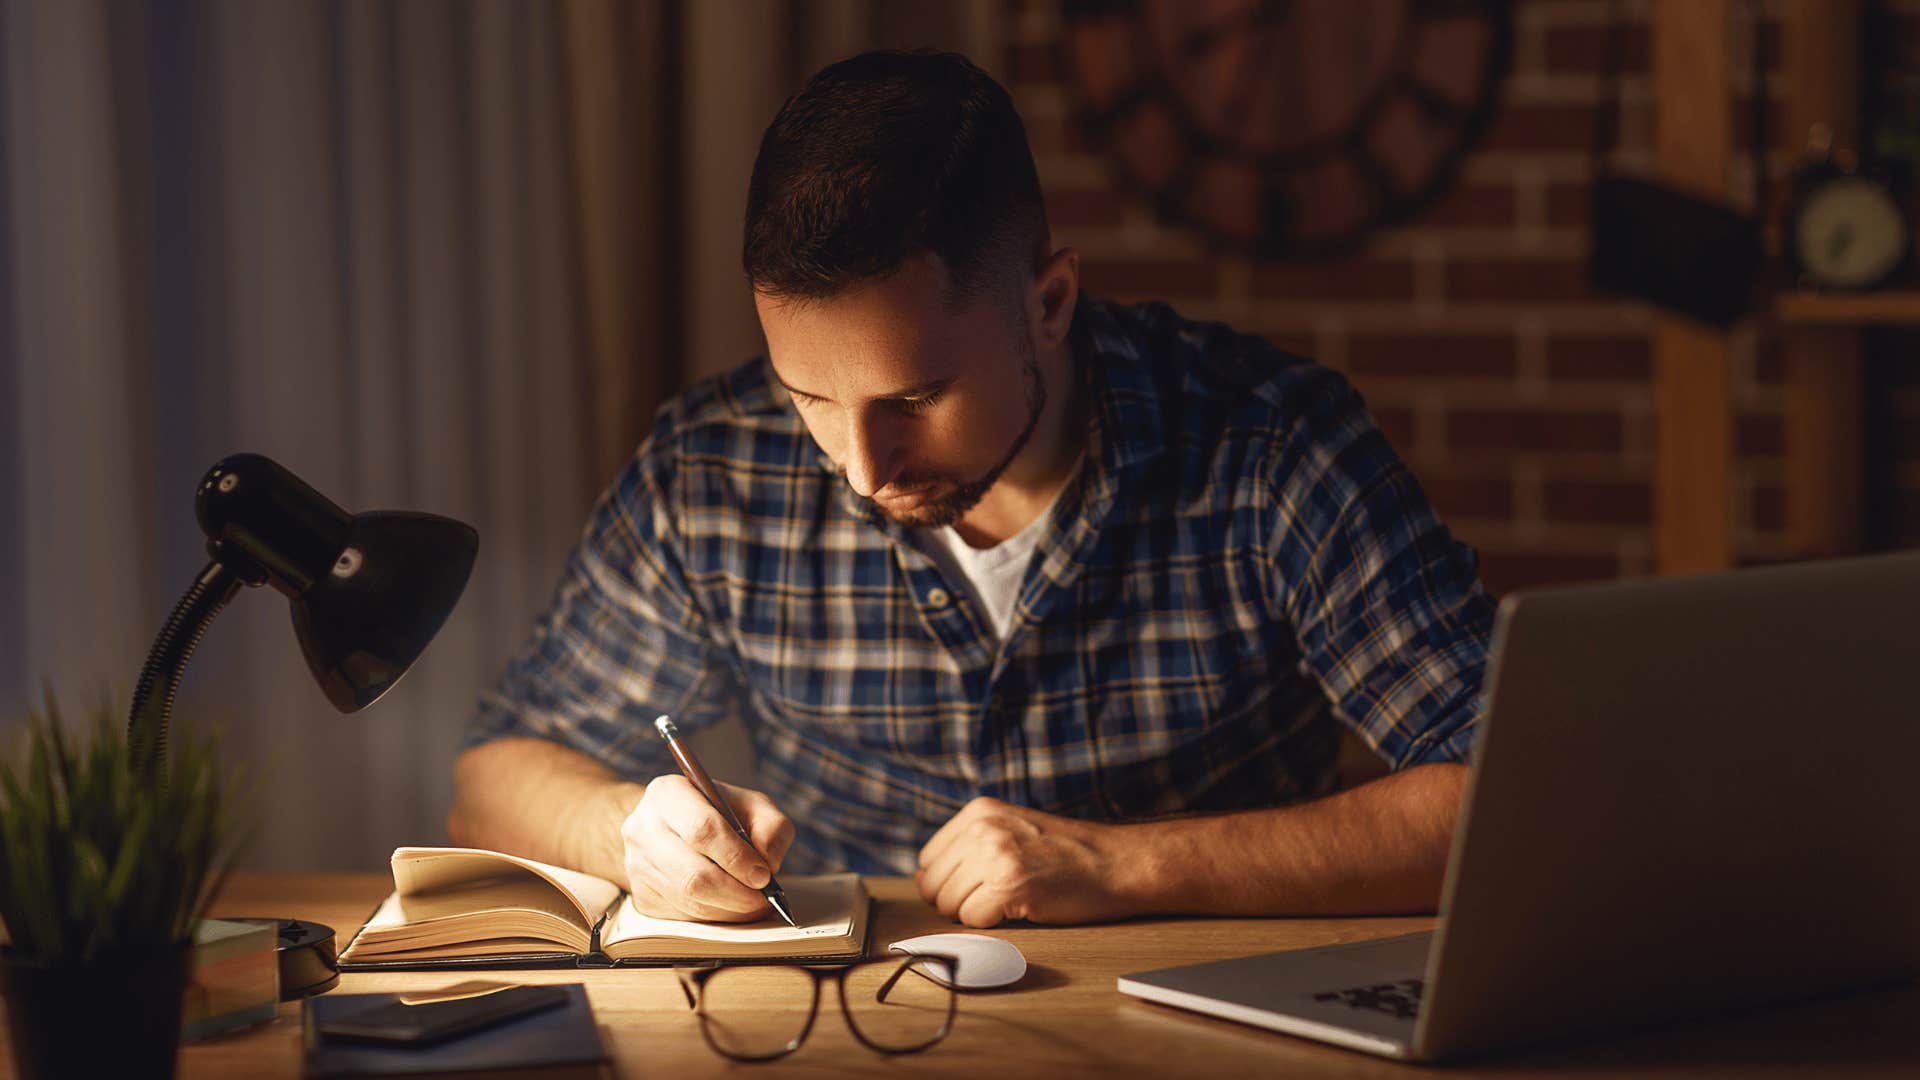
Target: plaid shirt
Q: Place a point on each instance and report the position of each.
(1241, 564)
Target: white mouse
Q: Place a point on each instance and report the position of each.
(980, 962)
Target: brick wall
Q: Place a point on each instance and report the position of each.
(1521, 397)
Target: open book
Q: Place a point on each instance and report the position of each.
(468, 907)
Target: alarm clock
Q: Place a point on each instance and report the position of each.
(1845, 230)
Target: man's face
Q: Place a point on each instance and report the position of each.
(920, 407)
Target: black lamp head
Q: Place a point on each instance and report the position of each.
(368, 590)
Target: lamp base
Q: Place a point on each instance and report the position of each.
(307, 955)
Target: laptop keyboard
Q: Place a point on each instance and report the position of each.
(1397, 999)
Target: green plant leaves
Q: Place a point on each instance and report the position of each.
(98, 856)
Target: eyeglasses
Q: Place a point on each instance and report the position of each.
(755, 1012)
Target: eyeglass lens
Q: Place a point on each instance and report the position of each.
(896, 1009)
(755, 1011)
(760, 1012)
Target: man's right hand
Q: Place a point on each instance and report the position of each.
(684, 862)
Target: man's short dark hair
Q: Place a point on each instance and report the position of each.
(884, 156)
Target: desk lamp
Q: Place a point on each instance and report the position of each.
(368, 591)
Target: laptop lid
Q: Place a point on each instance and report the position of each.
(1690, 795)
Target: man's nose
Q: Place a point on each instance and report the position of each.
(873, 453)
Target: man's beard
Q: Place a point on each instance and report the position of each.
(951, 507)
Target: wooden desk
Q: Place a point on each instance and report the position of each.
(1066, 1018)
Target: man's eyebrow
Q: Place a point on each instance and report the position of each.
(919, 390)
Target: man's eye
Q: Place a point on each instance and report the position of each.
(919, 404)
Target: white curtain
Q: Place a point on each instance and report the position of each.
(337, 235)
(431, 255)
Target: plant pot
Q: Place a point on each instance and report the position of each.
(116, 1016)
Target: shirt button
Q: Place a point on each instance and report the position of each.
(937, 598)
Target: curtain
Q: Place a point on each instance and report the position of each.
(343, 236)
(433, 255)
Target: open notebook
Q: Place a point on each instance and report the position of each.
(464, 907)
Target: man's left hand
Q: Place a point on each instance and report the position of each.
(995, 861)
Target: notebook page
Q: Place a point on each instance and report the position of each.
(825, 905)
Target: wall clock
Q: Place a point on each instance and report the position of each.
(1290, 128)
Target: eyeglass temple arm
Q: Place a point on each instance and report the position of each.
(953, 969)
(685, 979)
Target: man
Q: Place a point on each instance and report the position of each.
(1053, 604)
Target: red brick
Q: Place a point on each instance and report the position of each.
(1481, 495)
(1497, 429)
(1396, 424)
(1518, 281)
(1151, 278)
(1044, 134)
(1085, 207)
(1541, 127)
(1506, 571)
(1600, 502)
(1351, 279)
(1583, 48)
(1035, 64)
(1568, 205)
(1488, 205)
(1297, 342)
(1599, 359)
(1760, 436)
(1437, 356)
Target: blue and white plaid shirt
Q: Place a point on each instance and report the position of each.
(1241, 563)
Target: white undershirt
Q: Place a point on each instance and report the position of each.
(993, 575)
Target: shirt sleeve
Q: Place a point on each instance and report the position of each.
(622, 642)
(1386, 605)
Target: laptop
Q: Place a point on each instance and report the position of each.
(1690, 796)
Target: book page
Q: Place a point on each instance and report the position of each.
(483, 910)
(419, 870)
(831, 908)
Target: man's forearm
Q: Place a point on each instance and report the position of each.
(543, 801)
(1375, 849)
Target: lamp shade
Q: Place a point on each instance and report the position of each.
(368, 591)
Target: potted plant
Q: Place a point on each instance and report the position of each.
(104, 867)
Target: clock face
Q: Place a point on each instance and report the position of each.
(1849, 233)
(1287, 127)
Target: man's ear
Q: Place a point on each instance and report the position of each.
(1056, 287)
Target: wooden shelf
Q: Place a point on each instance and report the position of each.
(1897, 307)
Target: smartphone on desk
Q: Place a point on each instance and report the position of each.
(397, 1023)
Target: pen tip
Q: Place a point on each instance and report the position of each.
(780, 905)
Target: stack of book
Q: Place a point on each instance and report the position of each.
(236, 977)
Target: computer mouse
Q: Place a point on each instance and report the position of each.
(980, 962)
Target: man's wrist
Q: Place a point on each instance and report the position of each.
(1138, 861)
(594, 830)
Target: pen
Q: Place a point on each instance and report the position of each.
(697, 776)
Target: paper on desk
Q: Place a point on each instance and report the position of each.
(830, 899)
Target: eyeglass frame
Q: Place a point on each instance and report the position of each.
(837, 974)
